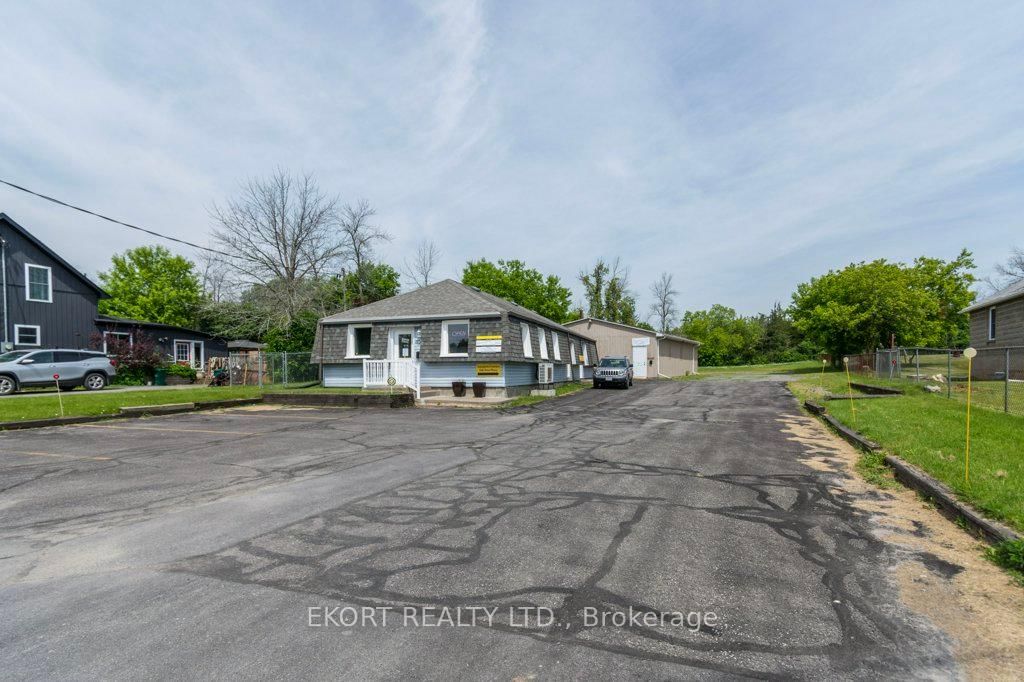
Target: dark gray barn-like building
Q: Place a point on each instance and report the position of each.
(44, 301)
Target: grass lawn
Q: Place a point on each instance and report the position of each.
(801, 367)
(929, 431)
(560, 390)
(79, 403)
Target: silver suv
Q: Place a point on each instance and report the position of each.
(614, 369)
(22, 368)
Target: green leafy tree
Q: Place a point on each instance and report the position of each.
(149, 283)
(606, 288)
(726, 338)
(514, 281)
(950, 283)
(856, 309)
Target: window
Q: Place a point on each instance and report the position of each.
(524, 332)
(27, 335)
(116, 339)
(572, 353)
(554, 346)
(359, 336)
(543, 343)
(586, 355)
(42, 358)
(992, 324)
(182, 352)
(455, 338)
(37, 283)
(67, 356)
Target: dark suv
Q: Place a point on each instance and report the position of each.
(21, 368)
(616, 370)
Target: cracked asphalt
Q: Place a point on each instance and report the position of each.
(195, 545)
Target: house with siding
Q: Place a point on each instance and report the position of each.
(997, 331)
(452, 332)
(44, 301)
(653, 354)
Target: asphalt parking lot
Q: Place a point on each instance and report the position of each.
(235, 544)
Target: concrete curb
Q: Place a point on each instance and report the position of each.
(860, 396)
(341, 399)
(814, 407)
(168, 408)
(849, 435)
(877, 390)
(912, 477)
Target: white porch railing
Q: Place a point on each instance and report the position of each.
(405, 372)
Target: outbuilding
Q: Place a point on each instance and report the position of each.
(654, 354)
(448, 333)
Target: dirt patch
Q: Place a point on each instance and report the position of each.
(939, 568)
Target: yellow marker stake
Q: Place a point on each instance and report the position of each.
(969, 353)
(60, 401)
(821, 379)
(849, 386)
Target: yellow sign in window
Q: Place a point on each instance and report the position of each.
(488, 369)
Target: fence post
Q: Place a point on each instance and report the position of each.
(1006, 384)
(917, 364)
(259, 367)
(949, 373)
(286, 368)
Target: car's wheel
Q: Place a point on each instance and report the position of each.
(94, 381)
(7, 385)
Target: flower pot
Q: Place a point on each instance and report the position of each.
(459, 388)
(479, 389)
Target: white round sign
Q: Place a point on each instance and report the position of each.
(391, 381)
(970, 352)
(846, 361)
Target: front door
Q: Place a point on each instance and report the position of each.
(400, 344)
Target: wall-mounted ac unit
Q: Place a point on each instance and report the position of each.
(545, 373)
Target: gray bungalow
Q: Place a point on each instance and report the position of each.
(449, 332)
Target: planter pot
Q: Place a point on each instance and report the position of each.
(479, 389)
(459, 388)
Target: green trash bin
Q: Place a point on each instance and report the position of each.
(160, 376)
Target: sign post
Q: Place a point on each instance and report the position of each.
(60, 401)
(849, 387)
(969, 353)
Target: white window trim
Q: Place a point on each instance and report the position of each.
(39, 335)
(524, 333)
(350, 341)
(572, 352)
(191, 352)
(49, 284)
(131, 338)
(991, 331)
(586, 355)
(543, 343)
(444, 339)
(554, 345)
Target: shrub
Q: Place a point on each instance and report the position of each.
(1008, 554)
(181, 371)
(136, 357)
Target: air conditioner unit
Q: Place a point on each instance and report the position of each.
(545, 373)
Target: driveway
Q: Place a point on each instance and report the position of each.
(675, 530)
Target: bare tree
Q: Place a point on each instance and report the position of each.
(213, 277)
(359, 237)
(423, 264)
(280, 233)
(664, 307)
(1010, 272)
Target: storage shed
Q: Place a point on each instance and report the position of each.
(654, 354)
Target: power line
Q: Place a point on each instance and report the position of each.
(112, 220)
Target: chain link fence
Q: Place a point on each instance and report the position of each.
(271, 369)
(997, 374)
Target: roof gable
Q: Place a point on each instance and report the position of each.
(629, 327)
(1015, 290)
(4, 218)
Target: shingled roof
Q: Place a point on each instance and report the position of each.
(1015, 290)
(441, 300)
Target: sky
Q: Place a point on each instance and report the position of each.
(743, 146)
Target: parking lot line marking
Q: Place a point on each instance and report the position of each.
(162, 428)
(55, 454)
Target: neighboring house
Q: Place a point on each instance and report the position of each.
(44, 301)
(453, 332)
(998, 320)
(997, 323)
(178, 344)
(653, 354)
